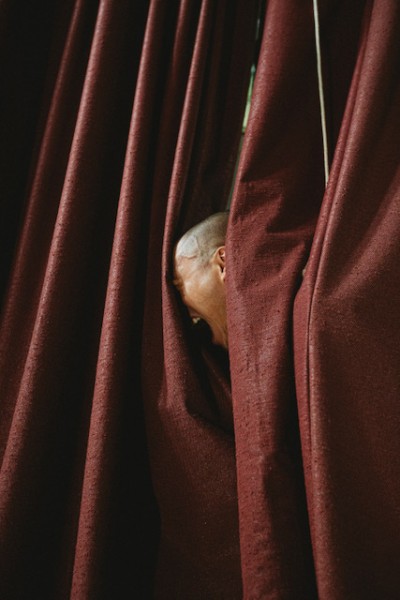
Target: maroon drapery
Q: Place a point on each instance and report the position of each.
(120, 124)
(345, 353)
(346, 333)
(188, 412)
(130, 111)
(279, 185)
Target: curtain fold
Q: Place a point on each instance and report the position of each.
(346, 332)
(188, 409)
(272, 218)
(137, 115)
(23, 69)
(138, 460)
(275, 208)
(54, 304)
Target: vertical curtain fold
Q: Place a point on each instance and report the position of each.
(192, 454)
(272, 219)
(65, 247)
(82, 337)
(275, 208)
(135, 460)
(346, 332)
(118, 369)
(21, 300)
(30, 36)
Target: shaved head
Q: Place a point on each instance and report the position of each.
(203, 239)
(199, 274)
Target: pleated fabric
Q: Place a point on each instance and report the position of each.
(275, 207)
(346, 330)
(139, 461)
(188, 407)
(133, 110)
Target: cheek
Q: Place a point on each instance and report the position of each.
(210, 304)
(203, 295)
(193, 298)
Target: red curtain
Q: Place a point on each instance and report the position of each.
(121, 126)
(277, 196)
(125, 472)
(338, 352)
(346, 335)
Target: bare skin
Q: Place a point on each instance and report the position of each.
(201, 283)
(199, 274)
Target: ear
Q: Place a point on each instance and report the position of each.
(220, 258)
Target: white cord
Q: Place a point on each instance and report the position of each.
(321, 92)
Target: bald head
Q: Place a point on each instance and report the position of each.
(201, 241)
(199, 273)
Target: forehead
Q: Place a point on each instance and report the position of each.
(184, 268)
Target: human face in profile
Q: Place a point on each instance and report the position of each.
(202, 289)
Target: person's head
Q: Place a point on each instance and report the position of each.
(199, 274)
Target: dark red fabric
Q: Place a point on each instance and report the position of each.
(52, 318)
(347, 330)
(131, 113)
(125, 472)
(188, 407)
(275, 207)
(272, 218)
